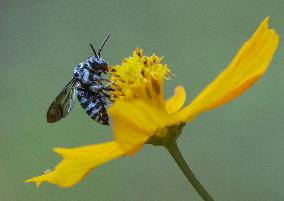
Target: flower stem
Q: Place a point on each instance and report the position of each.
(172, 147)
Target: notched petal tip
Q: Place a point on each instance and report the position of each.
(77, 163)
(37, 180)
(33, 180)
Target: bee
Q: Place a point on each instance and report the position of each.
(91, 89)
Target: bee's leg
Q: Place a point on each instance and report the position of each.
(96, 88)
(97, 77)
(106, 95)
(104, 79)
(108, 88)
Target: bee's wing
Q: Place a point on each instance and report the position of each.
(63, 103)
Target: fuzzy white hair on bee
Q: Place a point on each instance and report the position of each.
(91, 89)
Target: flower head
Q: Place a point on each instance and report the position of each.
(139, 77)
(141, 115)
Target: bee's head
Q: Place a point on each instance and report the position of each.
(98, 64)
(96, 61)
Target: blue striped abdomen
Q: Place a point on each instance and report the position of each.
(94, 104)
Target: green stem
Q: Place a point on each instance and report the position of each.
(176, 154)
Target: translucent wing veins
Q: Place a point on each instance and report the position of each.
(63, 103)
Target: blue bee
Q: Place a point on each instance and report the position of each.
(90, 88)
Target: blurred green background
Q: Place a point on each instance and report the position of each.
(236, 150)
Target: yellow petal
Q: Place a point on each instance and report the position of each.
(135, 122)
(246, 68)
(174, 103)
(77, 163)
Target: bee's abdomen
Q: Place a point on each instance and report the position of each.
(94, 105)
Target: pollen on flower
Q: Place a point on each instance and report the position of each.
(138, 76)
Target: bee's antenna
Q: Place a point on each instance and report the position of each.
(99, 53)
(95, 53)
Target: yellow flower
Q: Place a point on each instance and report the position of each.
(141, 115)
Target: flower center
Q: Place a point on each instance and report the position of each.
(139, 77)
